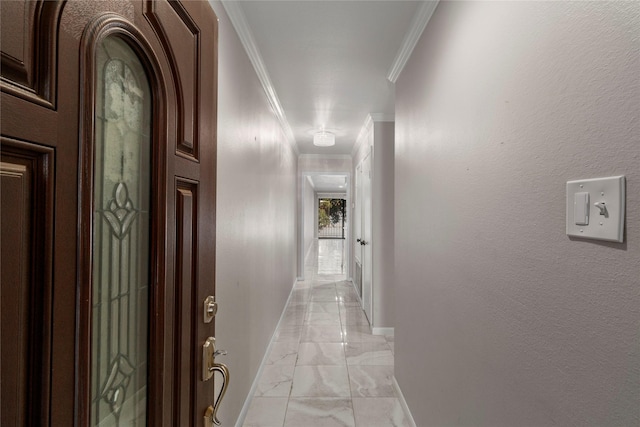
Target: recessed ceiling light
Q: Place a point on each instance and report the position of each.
(324, 139)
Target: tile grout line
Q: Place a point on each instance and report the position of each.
(314, 283)
(344, 349)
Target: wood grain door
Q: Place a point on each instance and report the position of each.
(108, 211)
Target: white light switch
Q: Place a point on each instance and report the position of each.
(595, 208)
(581, 208)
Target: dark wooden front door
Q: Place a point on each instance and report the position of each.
(108, 211)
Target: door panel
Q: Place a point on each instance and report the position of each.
(29, 49)
(17, 41)
(25, 295)
(185, 299)
(180, 37)
(367, 258)
(16, 263)
(166, 36)
(358, 216)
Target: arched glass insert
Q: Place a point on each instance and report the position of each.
(121, 237)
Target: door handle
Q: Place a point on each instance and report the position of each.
(209, 367)
(211, 414)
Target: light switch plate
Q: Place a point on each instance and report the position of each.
(611, 192)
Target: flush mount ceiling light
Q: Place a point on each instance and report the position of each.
(324, 139)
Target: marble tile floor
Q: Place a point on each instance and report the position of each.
(325, 368)
(331, 256)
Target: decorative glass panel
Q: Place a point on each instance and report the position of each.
(121, 239)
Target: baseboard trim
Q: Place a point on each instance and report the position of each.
(356, 291)
(306, 255)
(254, 386)
(403, 403)
(382, 331)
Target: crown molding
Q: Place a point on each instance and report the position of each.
(417, 26)
(239, 22)
(366, 127)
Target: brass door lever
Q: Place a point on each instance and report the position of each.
(209, 367)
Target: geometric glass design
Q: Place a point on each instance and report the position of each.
(115, 389)
(121, 237)
(120, 212)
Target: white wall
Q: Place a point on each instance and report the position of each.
(382, 189)
(501, 319)
(256, 219)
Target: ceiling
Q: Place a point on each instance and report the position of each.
(329, 183)
(324, 64)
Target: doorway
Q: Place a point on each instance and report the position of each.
(314, 187)
(332, 218)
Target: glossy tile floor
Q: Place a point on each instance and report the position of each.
(325, 367)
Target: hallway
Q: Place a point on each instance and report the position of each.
(325, 368)
(163, 165)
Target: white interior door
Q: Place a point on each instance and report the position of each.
(367, 258)
(357, 216)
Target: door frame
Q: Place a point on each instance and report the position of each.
(368, 310)
(301, 216)
(332, 196)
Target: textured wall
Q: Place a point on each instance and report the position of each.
(256, 219)
(501, 319)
